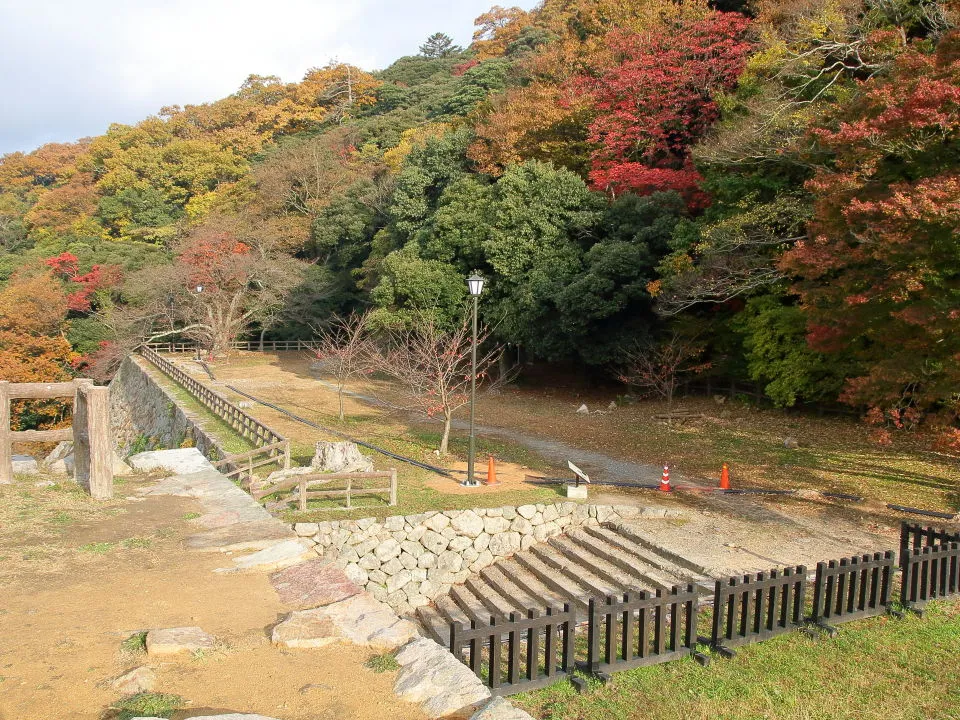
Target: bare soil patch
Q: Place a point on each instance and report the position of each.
(74, 590)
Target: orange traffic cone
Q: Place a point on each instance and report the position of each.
(725, 477)
(491, 472)
(665, 479)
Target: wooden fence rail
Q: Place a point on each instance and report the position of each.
(90, 430)
(853, 588)
(641, 629)
(758, 607)
(538, 648)
(249, 345)
(929, 573)
(304, 483)
(915, 535)
(245, 424)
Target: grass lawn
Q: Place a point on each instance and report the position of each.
(879, 668)
(835, 453)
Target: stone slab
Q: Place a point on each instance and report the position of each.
(360, 619)
(432, 677)
(240, 536)
(312, 584)
(577, 492)
(179, 640)
(276, 556)
(500, 709)
(25, 465)
(180, 461)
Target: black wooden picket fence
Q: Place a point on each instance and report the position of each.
(538, 647)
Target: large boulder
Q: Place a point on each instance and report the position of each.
(180, 461)
(340, 457)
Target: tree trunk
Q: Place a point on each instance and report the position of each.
(445, 440)
(263, 331)
(340, 398)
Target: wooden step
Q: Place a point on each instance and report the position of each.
(647, 555)
(488, 595)
(583, 556)
(592, 585)
(645, 576)
(470, 604)
(450, 611)
(434, 624)
(528, 582)
(519, 598)
(693, 570)
(546, 575)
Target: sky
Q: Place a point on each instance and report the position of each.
(70, 68)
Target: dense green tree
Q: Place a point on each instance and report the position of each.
(439, 45)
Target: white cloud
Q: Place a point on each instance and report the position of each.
(69, 69)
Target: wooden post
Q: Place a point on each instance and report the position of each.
(393, 486)
(101, 442)
(286, 455)
(6, 452)
(303, 495)
(348, 492)
(81, 434)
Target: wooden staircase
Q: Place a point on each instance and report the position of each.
(592, 561)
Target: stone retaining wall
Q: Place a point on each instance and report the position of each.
(408, 560)
(140, 406)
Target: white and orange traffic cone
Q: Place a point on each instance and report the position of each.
(665, 479)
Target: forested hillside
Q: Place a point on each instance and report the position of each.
(766, 191)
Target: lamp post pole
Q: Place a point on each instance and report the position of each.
(475, 286)
(473, 394)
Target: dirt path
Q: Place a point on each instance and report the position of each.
(729, 533)
(76, 583)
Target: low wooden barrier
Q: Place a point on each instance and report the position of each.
(929, 573)
(641, 629)
(853, 588)
(90, 430)
(249, 345)
(915, 535)
(304, 483)
(519, 639)
(243, 464)
(758, 607)
(245, 424)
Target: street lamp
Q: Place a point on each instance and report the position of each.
(475, 287)
(199, 352)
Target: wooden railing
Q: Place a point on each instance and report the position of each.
(852, 588)
(929, 573)
(249, 345)
(243, 464)
(244, 424)
(90, 430)
(640, 629)
(518, 639)
(303, 484)
(758, 607)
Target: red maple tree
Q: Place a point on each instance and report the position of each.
(656, 99)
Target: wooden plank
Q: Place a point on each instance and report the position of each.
(42, 391)
(6, 453)
(101, 442)
(58, 435)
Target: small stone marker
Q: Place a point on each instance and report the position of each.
(174, 641)
(25, 465)
(141, 679)
(577, 492)
(583, 410)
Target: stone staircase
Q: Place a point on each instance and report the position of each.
(592, 561)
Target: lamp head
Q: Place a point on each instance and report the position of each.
(475, 285)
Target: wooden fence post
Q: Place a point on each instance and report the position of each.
(81, 434)
(101, 443)
(6, 452)
(393, 486)
(286, 456)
